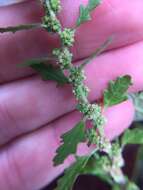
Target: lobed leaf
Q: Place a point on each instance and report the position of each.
(132, 136)
(47, 72)
(71, 174)
(86, 11)
(70, 141)
(117, 91)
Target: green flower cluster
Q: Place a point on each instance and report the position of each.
(76, 76)
(64, 57)
(67, 36)
(80, 91)
(50, 21)
(51, 24)
(55, 5)
(91, 111)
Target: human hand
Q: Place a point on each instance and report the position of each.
(34, 113)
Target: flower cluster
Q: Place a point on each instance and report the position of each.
(76, 75)
(91, 111)
(55, 5)
(67, 36)
(80, 91)
(64, 57)
(51, 24)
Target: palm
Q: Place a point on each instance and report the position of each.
(29, 106)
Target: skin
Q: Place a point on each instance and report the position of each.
(33, 113)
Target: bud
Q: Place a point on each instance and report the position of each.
(64, 57)
(51, 24)
(55, 5)
(67, 36)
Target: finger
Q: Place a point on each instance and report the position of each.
(111, 18)
(17, 48)
(26, 164)
(10, 2)
(27, 105)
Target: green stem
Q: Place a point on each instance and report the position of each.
(14, 29)
(98, 51)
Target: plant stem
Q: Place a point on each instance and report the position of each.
(14, 29)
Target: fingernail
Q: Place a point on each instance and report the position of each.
(9, 2)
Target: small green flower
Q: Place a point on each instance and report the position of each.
(93, 137)
(80, 91)
(51, 24)
(76, 76)
(64, 57)
(67, 36)
(55, 5)
(91, 111)
(100, 121)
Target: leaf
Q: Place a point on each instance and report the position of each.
(84, 15)
(117, 91)
(132, 186)
(32, 62)
(70, 141)
(92, 4)
(71, 174)
(133, 136)
(49, 72)
(86, 11)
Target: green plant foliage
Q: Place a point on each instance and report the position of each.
(71, 174)
(70, 140)
(117, 91)
(86, 11)
(49, 72)
(133, 136)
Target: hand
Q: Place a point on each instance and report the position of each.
(33, 113)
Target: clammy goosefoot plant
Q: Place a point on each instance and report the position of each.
(106, 160)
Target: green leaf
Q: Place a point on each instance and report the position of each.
(86, 11)
(49, 72)
(92, 4)
(71, 174)
(116, 187)
(117, 91)
(84, 15)
(133, 136)
(132, 186)
(70, 141)
(36, 61)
